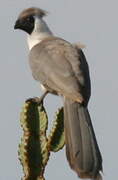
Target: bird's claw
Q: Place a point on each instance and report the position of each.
(36, 100)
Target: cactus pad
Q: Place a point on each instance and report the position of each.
(56, 138)
(33, 152)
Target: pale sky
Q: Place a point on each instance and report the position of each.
(93, 23)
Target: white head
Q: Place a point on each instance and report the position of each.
(31, 21)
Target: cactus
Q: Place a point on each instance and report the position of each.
(33, 152)
(35, 147)
(56, 139)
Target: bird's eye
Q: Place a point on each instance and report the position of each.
(30, 19)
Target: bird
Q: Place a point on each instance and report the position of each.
(62, 69)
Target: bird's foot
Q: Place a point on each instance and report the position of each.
(36, 100)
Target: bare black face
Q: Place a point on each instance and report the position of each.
(26, 24)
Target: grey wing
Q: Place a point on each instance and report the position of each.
(86, 88)
(53, 69)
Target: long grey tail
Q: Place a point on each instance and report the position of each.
(82, 149)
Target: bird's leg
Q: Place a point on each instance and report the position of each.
(38, 100)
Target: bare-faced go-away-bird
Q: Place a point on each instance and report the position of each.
(62, 69)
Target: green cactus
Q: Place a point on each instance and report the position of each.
(56, 138)
(33, 152)
(35, 147)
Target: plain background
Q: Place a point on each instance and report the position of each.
(95, 24)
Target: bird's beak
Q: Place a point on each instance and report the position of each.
(18, 24)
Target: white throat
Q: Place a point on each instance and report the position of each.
(40, 32)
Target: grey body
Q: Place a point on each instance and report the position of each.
(62, 69)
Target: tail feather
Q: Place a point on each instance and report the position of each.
(81, 146)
